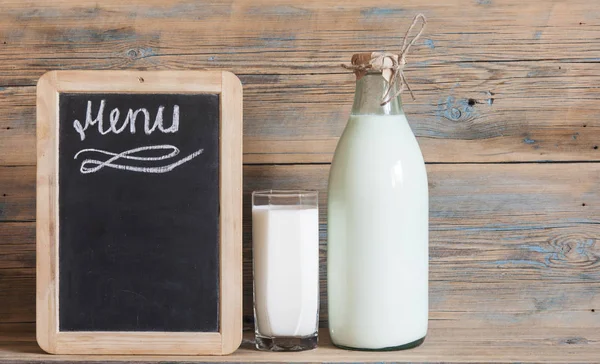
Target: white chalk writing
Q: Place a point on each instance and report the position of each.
(94, 165)
(130, 120)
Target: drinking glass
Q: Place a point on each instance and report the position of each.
(285, 247)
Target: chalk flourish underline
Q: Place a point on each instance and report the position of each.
(94, 165)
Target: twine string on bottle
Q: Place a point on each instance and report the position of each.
(391, 65)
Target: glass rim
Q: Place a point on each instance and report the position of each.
(285, 193)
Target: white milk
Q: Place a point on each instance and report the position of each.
(285, 245)
(378, 235)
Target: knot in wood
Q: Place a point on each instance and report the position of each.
(132, 53)
(574, 251)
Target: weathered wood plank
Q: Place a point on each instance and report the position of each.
(496, 81)
(514, 255)
(510, 244)
(18, 296)
(22, 332)
(17, 245)
(495, 229)
(256, 36)
(548, 303)
(497, 345)
(16, 234)
(565, 254)
(17, 194)
(549, 293)
(488, 196)
(536, 112)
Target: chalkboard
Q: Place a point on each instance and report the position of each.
(139, 237)
(139, 208)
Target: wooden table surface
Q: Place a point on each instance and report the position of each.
(441, 346)
(507, 115)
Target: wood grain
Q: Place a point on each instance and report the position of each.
(511, 244)
(17, 245)
(495, 80)
(496, 232)
(277, 36)
(290, 118)
(17, 201)
(497, 345)
(47, 221)
(514, 258)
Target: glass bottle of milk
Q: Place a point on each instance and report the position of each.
(377, 226)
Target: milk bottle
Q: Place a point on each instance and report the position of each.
(377, 225)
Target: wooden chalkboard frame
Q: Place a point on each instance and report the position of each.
(49, 337)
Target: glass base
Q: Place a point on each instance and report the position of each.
(410, 345)
(286, 343)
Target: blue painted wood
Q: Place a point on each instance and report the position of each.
(506, 240)
(519, 94)
(513, 246)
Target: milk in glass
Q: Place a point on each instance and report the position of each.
(285, 245)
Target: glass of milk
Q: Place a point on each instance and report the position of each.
(285, 247)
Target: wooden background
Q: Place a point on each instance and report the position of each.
(507, 115)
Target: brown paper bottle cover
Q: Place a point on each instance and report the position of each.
(390, 65)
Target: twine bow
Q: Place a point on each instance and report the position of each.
(392, 65)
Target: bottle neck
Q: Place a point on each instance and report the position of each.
(368, 95)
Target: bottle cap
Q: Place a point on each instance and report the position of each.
(390, 65)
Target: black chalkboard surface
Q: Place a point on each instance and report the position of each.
(139, 241)
(139, 212)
